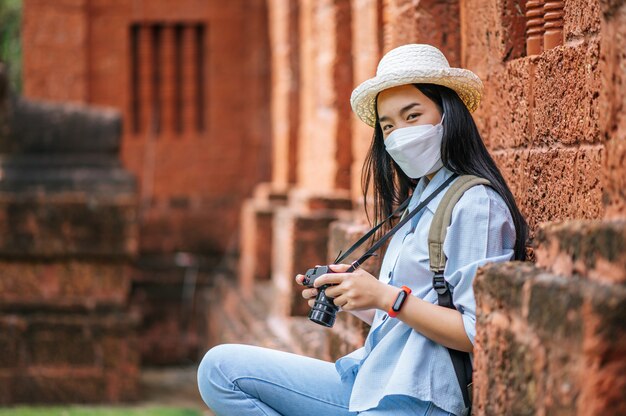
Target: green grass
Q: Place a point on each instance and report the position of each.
(10, 42)
(96, 411)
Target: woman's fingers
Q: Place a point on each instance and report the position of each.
(341, 301)
(299, 279)
(309, 293)
(330, 279)
(339, 268)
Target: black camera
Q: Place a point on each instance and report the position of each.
(324, 311)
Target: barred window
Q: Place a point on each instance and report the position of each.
(167, 77)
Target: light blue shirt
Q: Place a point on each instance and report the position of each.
(396, 359)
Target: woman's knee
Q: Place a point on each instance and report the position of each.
(215, 368)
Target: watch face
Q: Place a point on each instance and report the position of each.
(399, 301)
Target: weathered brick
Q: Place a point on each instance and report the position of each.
(500, 286)
(63, 284)
(566, 86)
(504, 111)
(592, 249)
(612, 104)
(505, 368)
(581, 18)
(47, 226)
(604, 383)
(493, 32)
(554, 309)
(256, 244)
(65, 357)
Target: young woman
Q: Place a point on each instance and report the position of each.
(424, 133)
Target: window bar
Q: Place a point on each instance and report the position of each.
(178, 79)
(200, 65)
(156, 79)
(135, 101)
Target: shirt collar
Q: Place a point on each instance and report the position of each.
(425, 187)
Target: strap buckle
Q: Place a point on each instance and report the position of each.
(439, 283)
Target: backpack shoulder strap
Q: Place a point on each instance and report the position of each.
(439, 227)
(443, 216)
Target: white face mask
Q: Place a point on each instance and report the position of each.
(416, 149)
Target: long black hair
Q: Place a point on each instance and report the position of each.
(462, 152)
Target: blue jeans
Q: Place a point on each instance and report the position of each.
(246, 380)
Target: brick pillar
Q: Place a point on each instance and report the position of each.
(324, 149)
(285, 47)
(257, 214)
(367, 50)
(69, 227)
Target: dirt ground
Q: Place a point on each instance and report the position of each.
(172, 386)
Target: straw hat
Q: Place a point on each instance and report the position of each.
(414, 64)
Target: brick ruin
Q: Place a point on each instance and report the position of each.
(551, 336)
(68, 215)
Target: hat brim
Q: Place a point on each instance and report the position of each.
(464, 82)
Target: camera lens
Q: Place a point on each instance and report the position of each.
(324, 311)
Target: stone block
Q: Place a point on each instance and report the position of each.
(604, 382)
(557, 187)
(167, 293)
(611, 105)
(69, 284)
(566, 86)
(614, 195)
(46, 127)
(581, 18)
(68, 358)
(593, 249)
(255, 258)
(504, 113)
(499, 39)
(59, 225)
(563, 354)
(554, 310)
(505, 365)
(500, 287)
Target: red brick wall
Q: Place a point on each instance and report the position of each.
(539, 115)
(192, 177)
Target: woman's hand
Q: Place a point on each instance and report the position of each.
(308, 293)
(358, 290)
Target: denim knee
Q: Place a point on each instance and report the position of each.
(213, 382)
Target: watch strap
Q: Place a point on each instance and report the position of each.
(404, 293)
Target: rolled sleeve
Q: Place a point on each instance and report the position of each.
(481, 231)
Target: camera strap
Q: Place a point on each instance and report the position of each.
(372, 250)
